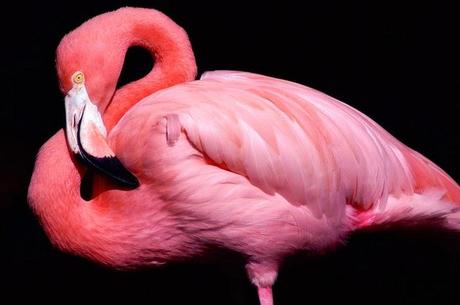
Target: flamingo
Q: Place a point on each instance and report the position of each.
(261, 166)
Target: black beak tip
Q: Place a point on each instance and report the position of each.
(129, 181)
(112, 168)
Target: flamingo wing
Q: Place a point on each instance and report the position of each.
(294, 141)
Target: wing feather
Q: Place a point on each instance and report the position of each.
(297, 142)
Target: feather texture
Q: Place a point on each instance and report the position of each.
(294, 141)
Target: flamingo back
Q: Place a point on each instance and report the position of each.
(294, 141)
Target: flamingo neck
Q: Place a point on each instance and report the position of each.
(57, 206)
(107, 229)
(174, 61)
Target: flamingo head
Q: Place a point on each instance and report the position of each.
(89, 61)
(88, 77)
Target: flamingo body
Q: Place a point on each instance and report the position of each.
(261, 166)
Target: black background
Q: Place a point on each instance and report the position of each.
(397, 63)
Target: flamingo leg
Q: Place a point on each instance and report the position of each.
(263, 275)
(265, 295)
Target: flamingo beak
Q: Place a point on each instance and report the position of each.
(87, 136)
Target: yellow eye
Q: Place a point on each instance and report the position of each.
(78, 78)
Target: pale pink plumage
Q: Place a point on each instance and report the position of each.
(257, 165)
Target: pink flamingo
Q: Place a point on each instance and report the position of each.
(257, 165)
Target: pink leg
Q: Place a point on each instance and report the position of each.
(265, 295)
(263, 275)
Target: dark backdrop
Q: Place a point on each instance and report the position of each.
(398, 63)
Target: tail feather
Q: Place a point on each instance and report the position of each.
(428, 175)
(429, 209)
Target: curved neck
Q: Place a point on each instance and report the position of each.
(58, 206)
(168, 44)
(106, 228)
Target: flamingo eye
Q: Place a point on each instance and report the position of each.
(78, 78)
